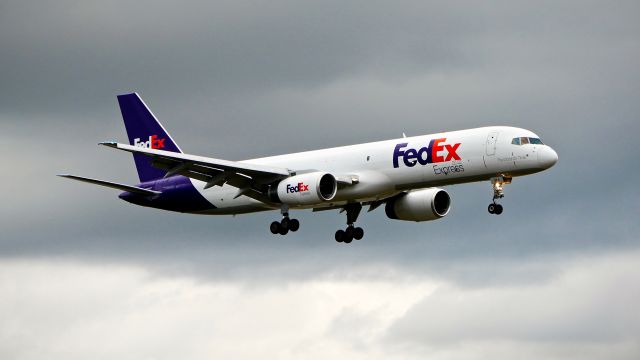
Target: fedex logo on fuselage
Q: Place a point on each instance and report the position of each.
(300, 187)
(152, 143)
(436, 152)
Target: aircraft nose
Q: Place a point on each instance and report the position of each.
(547, 157)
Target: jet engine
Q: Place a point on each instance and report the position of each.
(306, 189)
(419, 205)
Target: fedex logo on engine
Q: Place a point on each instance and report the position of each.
(152, 143)
(300, 187)
(436, 152)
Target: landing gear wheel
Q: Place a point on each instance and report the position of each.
(495, 209)
(284, 223)
(348, 234)
(294, 225)
(492, 208)
(349, 231)
(275, 227)
(358, 233)
(283, 226)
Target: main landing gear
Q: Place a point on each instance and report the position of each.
(351, 232)
(498, 184)
(285, 225)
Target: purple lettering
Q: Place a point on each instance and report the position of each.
(397, 153)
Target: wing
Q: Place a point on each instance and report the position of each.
(250, 179)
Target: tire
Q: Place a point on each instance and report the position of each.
(349, 231)
(294, 225)
(275, 227)
(498, 209)
(358, 233)
(492, 208)
(285, 223)
(283, 231)
(339, 236)
(348, 235)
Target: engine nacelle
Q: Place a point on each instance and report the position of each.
(419, 205)
(307, 189)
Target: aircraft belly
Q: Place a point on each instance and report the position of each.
(234, 210)
(223, 201)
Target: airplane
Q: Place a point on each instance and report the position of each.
(404, 175)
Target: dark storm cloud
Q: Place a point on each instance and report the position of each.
(71, 55)
(65, 49)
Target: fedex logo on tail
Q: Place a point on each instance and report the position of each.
(152, 143)
(435, 152)
(300, 187)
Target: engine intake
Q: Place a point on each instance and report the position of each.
(307, 189)
(419, 205)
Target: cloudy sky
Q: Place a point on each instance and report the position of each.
(83, 274)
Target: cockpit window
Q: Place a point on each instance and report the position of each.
(526, 140)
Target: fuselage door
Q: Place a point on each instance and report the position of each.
(492, 139)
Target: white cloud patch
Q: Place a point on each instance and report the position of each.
(69, 310)
(74, 311)
(587, 311)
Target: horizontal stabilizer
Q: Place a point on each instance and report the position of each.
(123, 187)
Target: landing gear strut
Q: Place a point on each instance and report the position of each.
(285, 225)
(498, 184)
(351, 232)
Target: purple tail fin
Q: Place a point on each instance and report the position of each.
(144, 130)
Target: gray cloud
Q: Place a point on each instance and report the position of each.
(418, 68)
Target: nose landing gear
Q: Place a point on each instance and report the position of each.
(498, 184)
(351, 232)
(285, 225)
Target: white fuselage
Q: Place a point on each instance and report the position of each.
(385, 168)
